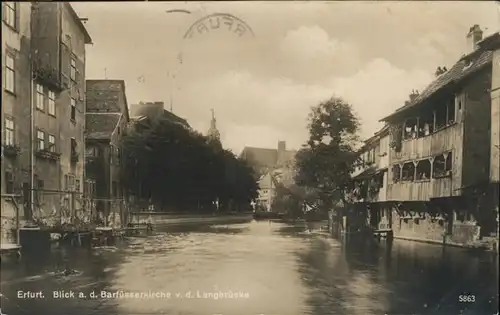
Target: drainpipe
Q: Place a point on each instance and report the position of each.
(31, 137)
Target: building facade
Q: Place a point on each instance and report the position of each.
(16, 49)
(58, 99)
(371, 179)
(43, 104)
(107, 119)
(440, 154)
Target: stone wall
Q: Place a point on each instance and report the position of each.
(433, 230)
(8, 221)
(422, 229)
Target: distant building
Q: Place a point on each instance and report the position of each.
(271, 166)
(107, 119)
(154, 111)
(264, 160)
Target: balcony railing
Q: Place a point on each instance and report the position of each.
(47, 154)
(431, 145)
(421, 190)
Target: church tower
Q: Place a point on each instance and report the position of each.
(213, 134)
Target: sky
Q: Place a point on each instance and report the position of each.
(261, 87)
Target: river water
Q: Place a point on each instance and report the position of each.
(249, 269)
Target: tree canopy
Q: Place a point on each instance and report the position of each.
(178, 168)
(326, 162)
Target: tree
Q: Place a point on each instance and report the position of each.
(326, 162)
(175, 167)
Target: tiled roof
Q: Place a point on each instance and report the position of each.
(457, 73)
(101, 126)
(260, 156)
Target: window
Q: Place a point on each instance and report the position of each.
(77, 185)
(73, 147)
(9, 183)
(410, 129)
(73, 68)
(408, 172)
(73, 109)
(40, 137)
(423, 170)
(39, 97)
(450, 107)
(449, 163)
(69, 182)
(9, 131)
(396, 173)
(114, 189)
(91, 152)
(10, 74)
(438, 167)
(89, 187)
(118, 156)
(39, 189)
(10, 14)
(51, 108)
(52, 143)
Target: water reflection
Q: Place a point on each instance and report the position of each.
(254, 268)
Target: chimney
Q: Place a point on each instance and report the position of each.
(474, 36)
(281, 146)
(414, 94)
(440, 71)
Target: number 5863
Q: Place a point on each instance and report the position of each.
(466, 298)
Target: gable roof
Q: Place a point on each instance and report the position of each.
(463, 68)
(100, 126)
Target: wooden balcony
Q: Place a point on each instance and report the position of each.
(421, 190)
(436, 143)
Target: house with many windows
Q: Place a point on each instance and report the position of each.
(107, 119)
(16, 48)
(370, 179)
(440, 153)
(43, 109)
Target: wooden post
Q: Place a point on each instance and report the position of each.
(434, 121)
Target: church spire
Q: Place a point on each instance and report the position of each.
(213, 133)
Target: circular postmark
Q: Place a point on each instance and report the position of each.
(219, 22)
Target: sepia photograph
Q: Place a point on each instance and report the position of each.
(250, 158)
